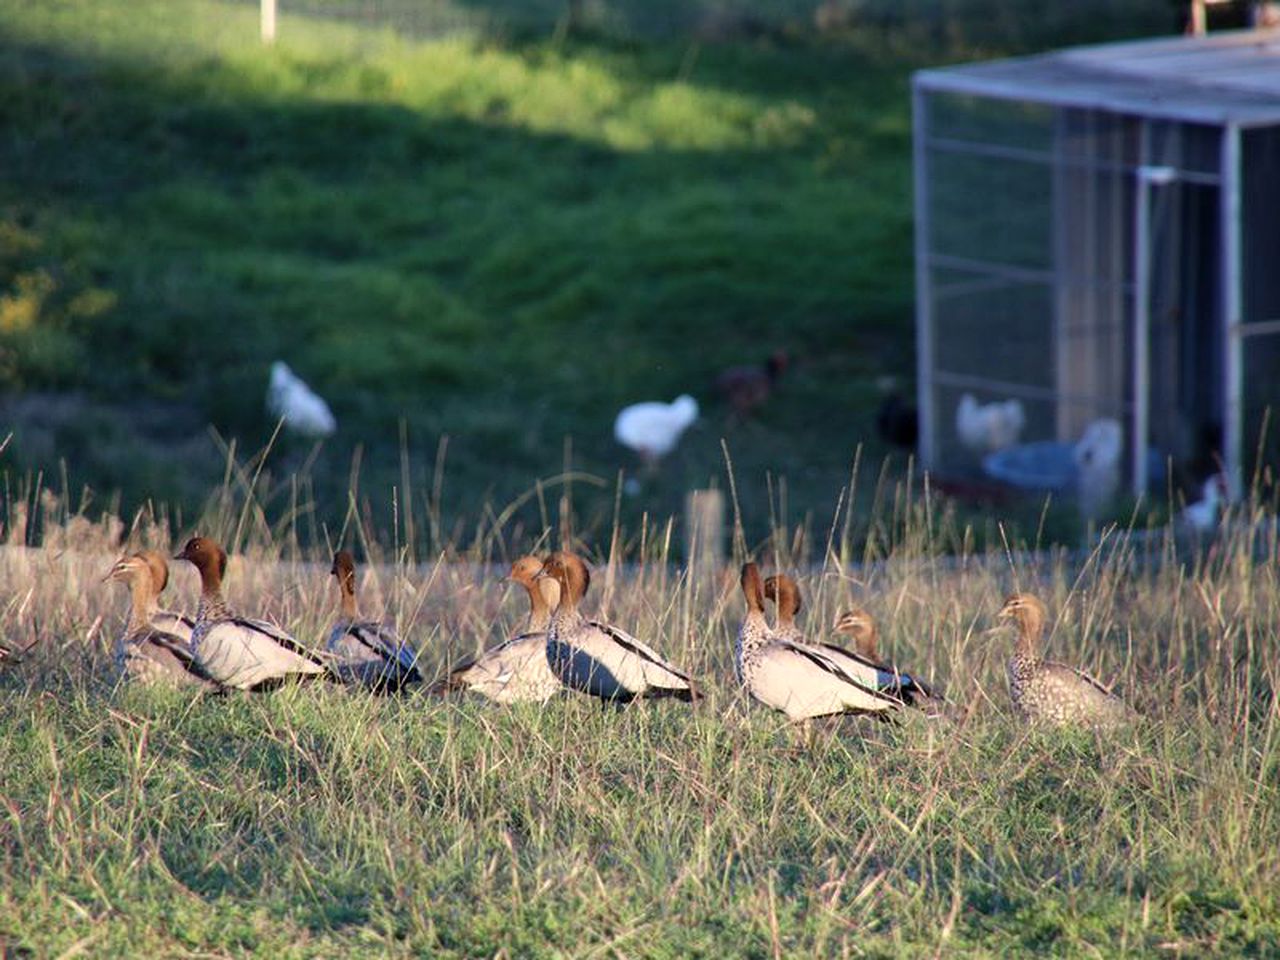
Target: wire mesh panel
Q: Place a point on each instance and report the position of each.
(989, 259)
(1096, 154)
(1071, 265)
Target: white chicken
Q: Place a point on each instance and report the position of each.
(303, 411)
(654, 428)
(1097, 456)
(986, 428)
(1201, 518)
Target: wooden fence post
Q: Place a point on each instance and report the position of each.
(268, 20)
(704, 530)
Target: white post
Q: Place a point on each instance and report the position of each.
(1149, 177)
(1141, 329)
(268, 21)
(1232, 314)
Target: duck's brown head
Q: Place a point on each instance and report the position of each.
(207, 557)
(344, 568)
(782, 590)
(159, 567)
(128, 569)
(859, 625)
(570, 573)
(752, 587)
(544, 592)
(525, 570)
(1028, 611)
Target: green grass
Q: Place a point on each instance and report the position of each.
(318, 822)
(499, 234)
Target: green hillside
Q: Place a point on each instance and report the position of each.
(499, 234)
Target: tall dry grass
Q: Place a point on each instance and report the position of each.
(316, 821)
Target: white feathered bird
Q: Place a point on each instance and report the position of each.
(1201, 517)
(653, 429)
(1097, 456)
(302, 409)
(988, 427)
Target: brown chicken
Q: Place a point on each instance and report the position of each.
(748, 387)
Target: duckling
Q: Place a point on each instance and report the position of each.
(366, 652)
(237, 651)
(598, 659)
(868, 671)
(861, 626)
(168, 621)
(516, 670)
(801, 681)
(1048, 691)
(146, 652)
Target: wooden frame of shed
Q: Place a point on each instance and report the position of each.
(1098, 235)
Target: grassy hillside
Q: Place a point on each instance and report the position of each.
(499, 235)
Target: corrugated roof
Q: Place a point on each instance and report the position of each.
(1230, 77)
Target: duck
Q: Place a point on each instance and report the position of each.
(868, 671)
(146, 652)
(596, 658)
(860, 626)
(1054, 693)
(799, 680)
(988, 427)
(241, 652)
(366, 653)
(653, 429)
(517, 669)
(11, 656)
(303, 411)
(168, 621)
(749, 387)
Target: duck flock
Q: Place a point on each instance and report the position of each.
(561, 649)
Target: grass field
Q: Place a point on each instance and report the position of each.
(319, 822)
(497, 234)
(466, 221)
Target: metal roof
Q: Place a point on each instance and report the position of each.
(1221, 78)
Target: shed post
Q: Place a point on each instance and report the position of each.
(927, 442)
(1141, 345)
(1232, 312)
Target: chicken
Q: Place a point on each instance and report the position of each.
(1201, 518)
(986, 428)
(303, 411)
(1097, 456)
(654, 428)
(748, 387)
(898, 422)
